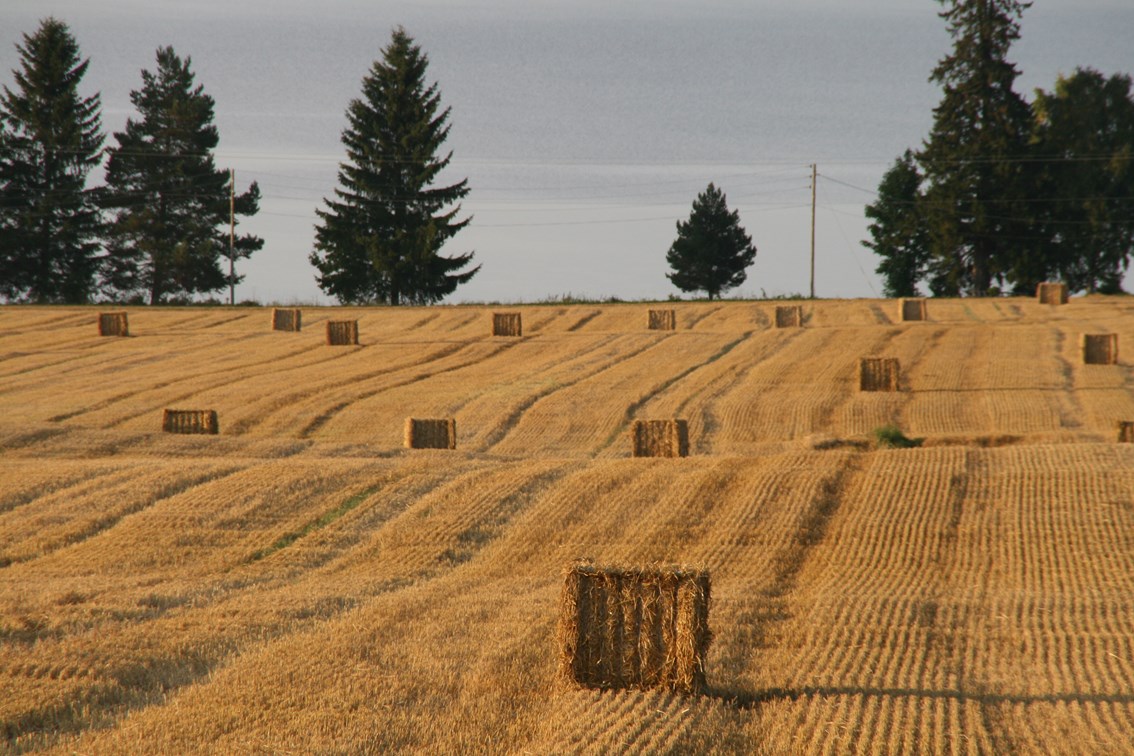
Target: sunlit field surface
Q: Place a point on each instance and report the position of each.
(302, 582)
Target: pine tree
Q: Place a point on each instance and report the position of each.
(171, 228)
(974, 160)
(50, 138)
(379, 241)
(898, 231)
(712, 250)
(1084, 139)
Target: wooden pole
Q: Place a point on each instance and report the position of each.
(232, 236)
(814, 176)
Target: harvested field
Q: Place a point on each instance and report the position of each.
(302, 581)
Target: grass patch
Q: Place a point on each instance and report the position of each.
(891, 437)
(287, 539)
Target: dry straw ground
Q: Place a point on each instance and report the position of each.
(303, 582)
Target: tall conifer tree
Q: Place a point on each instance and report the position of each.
(171, 227)
(1084, 139)
(712, 250)
(50, 138)
(379, 240)
(897, 229)
(974, 160)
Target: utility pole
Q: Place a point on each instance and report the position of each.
(814, 176)
(232, 238)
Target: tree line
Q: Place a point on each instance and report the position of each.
(1005, 193)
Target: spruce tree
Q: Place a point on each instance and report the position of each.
(170, 231)
(50, 138)
(1084, 140)
(712, 250)
(898, 233)
(974, 161)
(379, 240)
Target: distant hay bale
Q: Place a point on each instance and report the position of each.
(431, 433)
(662, 320)
(506, 324)
(912, 308)
(1126, 431)
(634, 627)
(660, 438)
(342, 332)
(1051, 293)
(190, 421)
(1100, 348)
(878, 374)
(113, 324)
(285, 319)
(789, 316)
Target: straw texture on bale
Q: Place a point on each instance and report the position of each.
(342, 332)
(285, 319)
(662, 320)
(789, 316)
(1100, 348)
(506, 324)
(113, 324)
(660, 438)
(1051, 293)
(878, 374)
(190, 421)
(431, 433)
(634, 627)
(912, 309)
(1126, 431)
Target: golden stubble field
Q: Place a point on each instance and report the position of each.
(303, 583)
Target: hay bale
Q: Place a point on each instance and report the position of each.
(662, 320)
(789, 316)
(634, 627)
(506, 324)
(1126, 431)
(1100, 348)
(912, 309)
(660, 438)
(431, 434)
(878, 374)
(342, 332)
(190, 421)
(1051, 293)
(285, 319)
(113, 324)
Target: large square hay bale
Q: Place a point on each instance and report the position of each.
(431, 433)
(506, 324)
(789, 316)
(342, 332)
(286, 319)
(662, 320)
(1100, 348)
(1051, 293)
(912, 309)
(660, 438)
(113, 324)
(190, 421)
(878, 374)
(1126, 431)
(634, 627)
